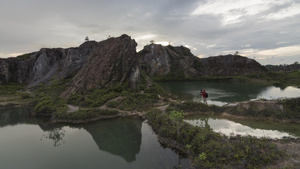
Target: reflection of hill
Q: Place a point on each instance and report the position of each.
(17, 115)
(120, 137)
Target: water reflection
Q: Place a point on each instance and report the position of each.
(16, 115)
(116, 143)
(221, 93)
(120, 137)
(56, 135)
(247, 127)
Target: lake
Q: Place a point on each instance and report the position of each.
(32, 143)
(257, 128)
(221, 93)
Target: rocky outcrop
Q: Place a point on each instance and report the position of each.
(115, 61)
(59, 63)
(45, 65)
(15, 70)
(179, 62)
(229, 65)
(112, 62)
(158, 60)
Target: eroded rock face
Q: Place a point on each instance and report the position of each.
(45, 65)
(158, 60)
(59, 63)
(112, 62)
(179, 62)
(13, 70)
(229, 65)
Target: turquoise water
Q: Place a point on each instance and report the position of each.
(221, 93)
(31, 143)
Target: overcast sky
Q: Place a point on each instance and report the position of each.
(266, 30)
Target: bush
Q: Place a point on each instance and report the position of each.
(25, 95)
(211, 150)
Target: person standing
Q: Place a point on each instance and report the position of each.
(204, 95)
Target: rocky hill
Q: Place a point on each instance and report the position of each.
(115, 61)
(112, 62)
(158, 60)
(229, 65)
(179, 62)
(44, 65)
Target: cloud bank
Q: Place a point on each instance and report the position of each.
(267, 30)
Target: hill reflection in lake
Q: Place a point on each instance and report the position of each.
(120, 137)
(27, 142)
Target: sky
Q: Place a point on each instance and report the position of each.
(265, 30)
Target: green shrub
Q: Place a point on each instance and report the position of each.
(211, 150)
(25, 95)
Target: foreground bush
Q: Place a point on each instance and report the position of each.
(211, 150)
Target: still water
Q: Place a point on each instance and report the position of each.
(31, 143)
(221, 93)
(257, 128)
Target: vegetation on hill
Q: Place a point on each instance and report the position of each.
(13, 94)
(208, 149)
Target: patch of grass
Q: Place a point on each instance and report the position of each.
(211, 150)
(138, 101)
(291, 108)
(24, 96)
(96, 97)
(191, 106)
(47, 100)
(7, 105)
(24, 56)
(10, 89)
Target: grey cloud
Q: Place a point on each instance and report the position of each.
(28, 25)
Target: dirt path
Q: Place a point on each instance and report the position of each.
(72, 108)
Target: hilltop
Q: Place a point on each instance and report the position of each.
(117, 61)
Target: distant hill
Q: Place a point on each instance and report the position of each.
(179, 62)
(115, 61)
(291, 67)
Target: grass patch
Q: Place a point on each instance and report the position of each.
(47, 100)
(24, 56)
(191, 106)
(11, 89)
(211, 150)
(291, 108)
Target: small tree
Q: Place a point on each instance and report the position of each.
(86, 38)
(236, 53)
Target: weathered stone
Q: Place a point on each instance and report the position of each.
(157, 60)
(112, 62)
(229, 65)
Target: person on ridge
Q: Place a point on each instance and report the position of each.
(204, 95)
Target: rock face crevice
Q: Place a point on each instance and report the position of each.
(112, 62)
